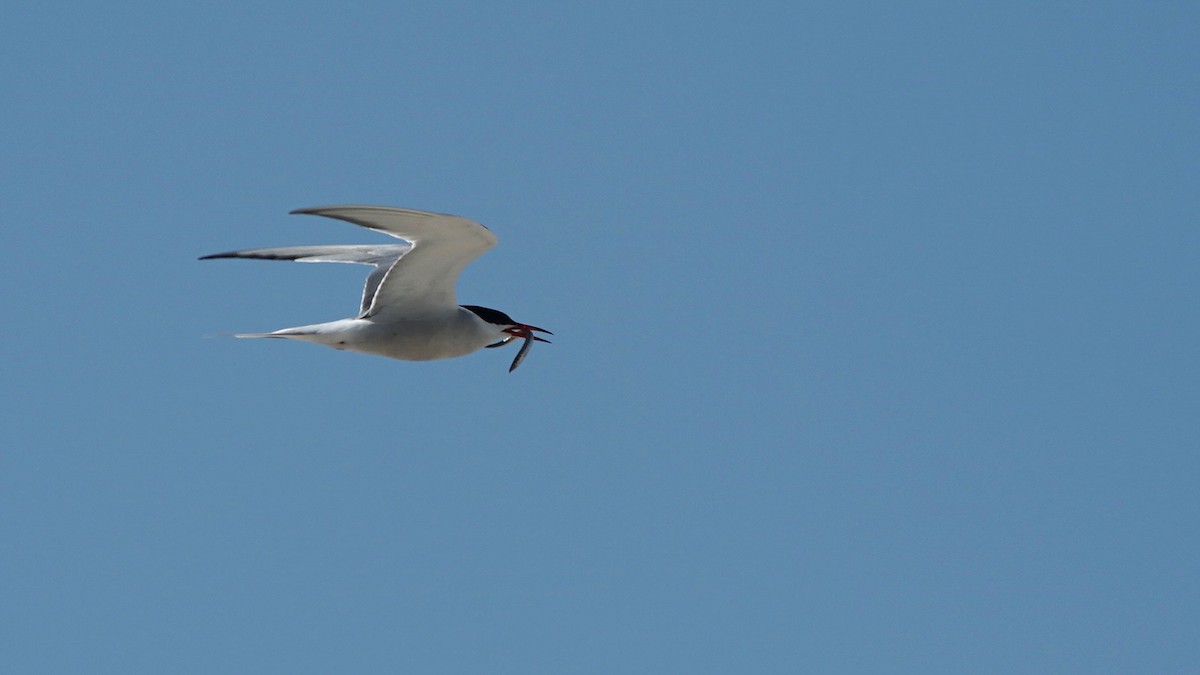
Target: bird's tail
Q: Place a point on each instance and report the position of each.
(289, 333)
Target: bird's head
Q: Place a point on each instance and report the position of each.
(510, 330)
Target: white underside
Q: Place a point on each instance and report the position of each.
(410, 339)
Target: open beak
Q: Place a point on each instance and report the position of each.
(522, 330)
(527, 328)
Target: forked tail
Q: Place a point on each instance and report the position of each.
(292, 333)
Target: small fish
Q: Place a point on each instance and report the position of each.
(529, 338)
(521, 330)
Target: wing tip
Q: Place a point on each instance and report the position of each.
(322, 210)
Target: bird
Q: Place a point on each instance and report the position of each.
(409, 309)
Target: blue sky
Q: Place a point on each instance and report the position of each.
(876, 339)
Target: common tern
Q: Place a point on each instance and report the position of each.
(409, 310)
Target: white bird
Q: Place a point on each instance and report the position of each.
(409, 310)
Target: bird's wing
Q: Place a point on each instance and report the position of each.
(382, 257)
(423, 279)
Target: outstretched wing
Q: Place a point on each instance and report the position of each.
(422, 280)
(382, 257)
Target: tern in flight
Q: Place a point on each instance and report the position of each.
(409, 310)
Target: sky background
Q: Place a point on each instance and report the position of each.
(876, 339)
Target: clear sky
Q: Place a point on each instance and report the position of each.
(876, 339)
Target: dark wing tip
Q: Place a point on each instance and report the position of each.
(320, 210)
